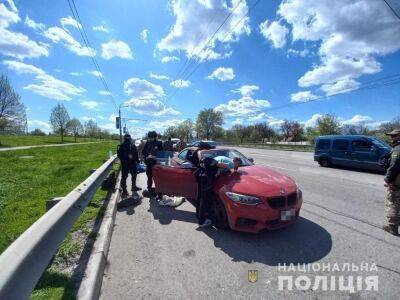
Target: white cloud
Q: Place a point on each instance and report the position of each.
(44, 126)
(69, 21)
(351, 35)
(116, 48)
(222, 74)
(295, 52)
(105, 93)
(358, 120)
(275, 32)
(76, 74)
(45, 85)
(34, 25)
(101, 28)
(247, 90)
(167, 59)
(303, 96)
(180, 84)
(246, 106)
(164, 124)
(92, 105)
(15, 44)
(259, 117)
(144, 34)
(196, 21)
(312, 122)
(341, 86)
(63, 36)
(146, 98)
(238, 121)
(143, 89)
(158, 76)
(94, 73)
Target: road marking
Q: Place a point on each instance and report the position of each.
(272, 166)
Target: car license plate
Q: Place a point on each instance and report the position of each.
(287, 215)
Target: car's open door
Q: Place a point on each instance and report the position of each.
(177, 180)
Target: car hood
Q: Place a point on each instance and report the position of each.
(259, 181)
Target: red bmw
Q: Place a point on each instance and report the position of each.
(252, 199)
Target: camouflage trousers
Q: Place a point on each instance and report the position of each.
(393, 206)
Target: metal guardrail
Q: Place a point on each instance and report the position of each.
(25, 260)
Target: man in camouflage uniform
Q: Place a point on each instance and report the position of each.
(392, 182)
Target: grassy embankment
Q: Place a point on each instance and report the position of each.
(30, 177)
(30, 140)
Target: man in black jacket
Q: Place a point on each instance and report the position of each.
(150, 150)
(128, 155)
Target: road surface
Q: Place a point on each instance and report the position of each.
(40, 146)
(159, 253)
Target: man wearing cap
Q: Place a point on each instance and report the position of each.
(150, 150)
(128, 155)
(392, 182)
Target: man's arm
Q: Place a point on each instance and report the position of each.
(394, 167)
(134, 153)
(145, 151)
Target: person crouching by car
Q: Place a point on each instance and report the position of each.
(150, 150)
(128, 155)
(209, 170)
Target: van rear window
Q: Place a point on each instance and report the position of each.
(340, 145)
(324, 144)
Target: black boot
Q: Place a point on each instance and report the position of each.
(136, 188)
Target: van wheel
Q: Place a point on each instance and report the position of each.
(220, 216)
(324, 162)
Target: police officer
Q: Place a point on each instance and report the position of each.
(168, 145)
(392, 182)
(128, 155)
(150, 150)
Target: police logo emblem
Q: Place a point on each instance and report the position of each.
(252, 276)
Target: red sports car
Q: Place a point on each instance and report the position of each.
(251, 199)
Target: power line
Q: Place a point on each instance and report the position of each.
(392, 9)
(381, 82)
(86, 41)
(223, 40)
(213, 35)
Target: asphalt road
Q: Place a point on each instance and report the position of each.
(158, 252)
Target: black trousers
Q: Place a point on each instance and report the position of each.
(205, 200)
(149, 173)
(125, 170)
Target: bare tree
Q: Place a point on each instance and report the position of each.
(59, 119)
(74, 126)
(12, 110)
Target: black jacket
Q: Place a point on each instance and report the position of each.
(151, 147)
(394, 165)
(123, 152)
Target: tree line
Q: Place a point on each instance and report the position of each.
(209, 123)
(13, 119)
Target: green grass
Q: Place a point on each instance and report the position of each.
(29, 140)
(27, 179)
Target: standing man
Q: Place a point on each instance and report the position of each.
(128, 155)
(181, 145)
(150, 150)
(392, 182)
(168, 145)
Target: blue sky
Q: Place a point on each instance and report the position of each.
(280, 53)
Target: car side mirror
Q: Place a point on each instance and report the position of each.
(251, 159)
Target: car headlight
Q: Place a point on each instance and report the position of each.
(243, 199)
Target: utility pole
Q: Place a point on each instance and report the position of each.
(118, 121)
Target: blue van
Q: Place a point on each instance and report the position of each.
(356, 151)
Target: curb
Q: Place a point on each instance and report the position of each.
(93, 278)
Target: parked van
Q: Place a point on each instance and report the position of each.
(357, 151)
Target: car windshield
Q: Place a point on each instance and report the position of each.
(380, 143)
(228, 153)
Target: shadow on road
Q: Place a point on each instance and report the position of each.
(304, 242)
(165, 214)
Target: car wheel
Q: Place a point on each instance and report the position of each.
(221, 218)
(324, 162)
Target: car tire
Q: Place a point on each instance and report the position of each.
(324, 162)
(220, 216)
